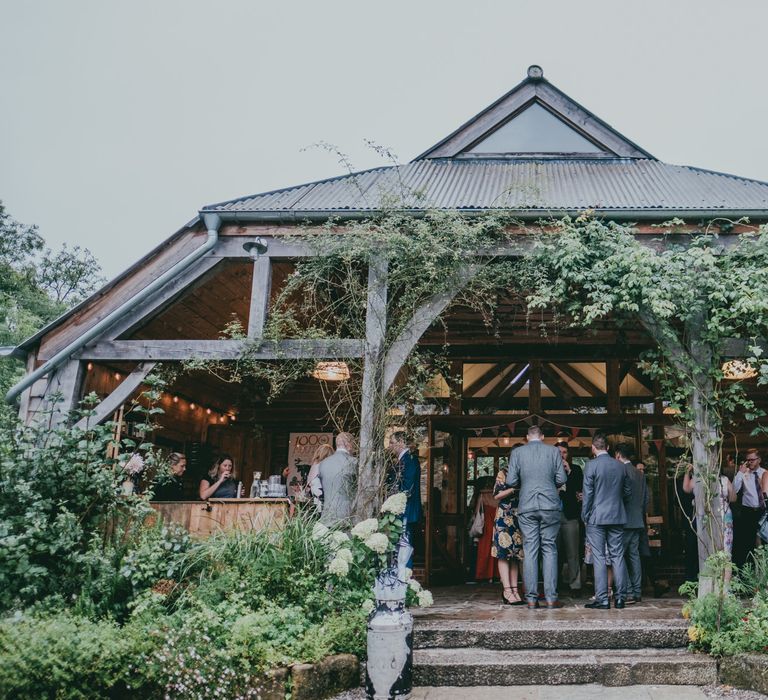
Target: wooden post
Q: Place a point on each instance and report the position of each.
(429, 524)
(260, 290)
(534, 388)
(370, 470)
(612, 387)
(456, 385)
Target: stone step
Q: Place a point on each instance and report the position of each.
(471, 666)
(513, 634)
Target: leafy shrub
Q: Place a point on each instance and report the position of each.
(70, 658)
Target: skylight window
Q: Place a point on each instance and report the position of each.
(535, 130)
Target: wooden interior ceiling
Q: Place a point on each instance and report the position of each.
(513, 324)
(205, 308)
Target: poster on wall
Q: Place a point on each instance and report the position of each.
(300, 450)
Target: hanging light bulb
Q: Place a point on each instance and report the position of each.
(192, 406)
(208, 411)
(90, 366)
(175, 399)
(118, 376)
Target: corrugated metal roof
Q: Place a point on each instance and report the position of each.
(476, 184)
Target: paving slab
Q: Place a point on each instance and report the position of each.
(572, 692)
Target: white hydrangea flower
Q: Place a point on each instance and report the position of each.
(395, 504)
(319, 531)
(378, 542)
(365, 528)
(338, 567)
(345, 554)
(339, 538)
(414, 585)
(367, 606)
(408, 574)
(425, 599)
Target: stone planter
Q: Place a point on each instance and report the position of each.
(747, 671)
(330, 676)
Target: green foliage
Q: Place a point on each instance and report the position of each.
(36, 286)
(71, 658)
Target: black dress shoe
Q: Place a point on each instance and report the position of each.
(597, 605)
(619, 603)
(637, 599)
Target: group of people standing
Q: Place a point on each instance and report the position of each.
(542, 496)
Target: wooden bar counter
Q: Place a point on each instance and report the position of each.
(201, 518)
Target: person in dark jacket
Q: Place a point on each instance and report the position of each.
(172, 489)
(407, 478)
(607, 491)
(569, 518)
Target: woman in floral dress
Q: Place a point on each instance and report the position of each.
(507, 540)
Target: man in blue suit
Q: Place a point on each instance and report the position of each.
(537, 469)
(407, 478)
(606, 496)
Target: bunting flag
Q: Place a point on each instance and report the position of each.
(659, 444)
(478, 432)
(495, 430)
(575, 432)
(511, 427)
(497, 443)
(529, 420)
(592, 431)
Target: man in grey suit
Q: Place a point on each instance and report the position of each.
(337, 475)
(633, 528)
(606, 494)
(538, 470)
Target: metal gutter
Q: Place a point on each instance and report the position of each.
(212, 223)
(315, 216)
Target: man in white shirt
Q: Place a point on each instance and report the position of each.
(748, 484)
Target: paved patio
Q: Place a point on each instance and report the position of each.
(482, 603)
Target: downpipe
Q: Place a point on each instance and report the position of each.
(212, 224)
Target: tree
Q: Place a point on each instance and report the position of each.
(36, 285)
(693, 299)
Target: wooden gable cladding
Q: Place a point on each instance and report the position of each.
(113, 295)
(206, 307)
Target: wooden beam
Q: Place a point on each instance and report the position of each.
(534, 387)
(555, 382)
(613, 399)
(484, 379)
(503, 386)
(580, 379)
(370, 473)
(260, 289)
(422, 318)
(455, 383)
(643, 379)
(511, 389)
(118, 397)
(169, 350)
(519, 352)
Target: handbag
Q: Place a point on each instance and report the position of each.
(762, 526)
(478, 523)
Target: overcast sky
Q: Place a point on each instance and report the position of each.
(120, 119)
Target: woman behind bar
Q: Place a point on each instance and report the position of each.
(220, 481)
(173, 488)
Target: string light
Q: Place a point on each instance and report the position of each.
(208, 411)
(233, 418)
(192, 406)
(175, 399)
(118, 376)
(221, 419)
(90, 366)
